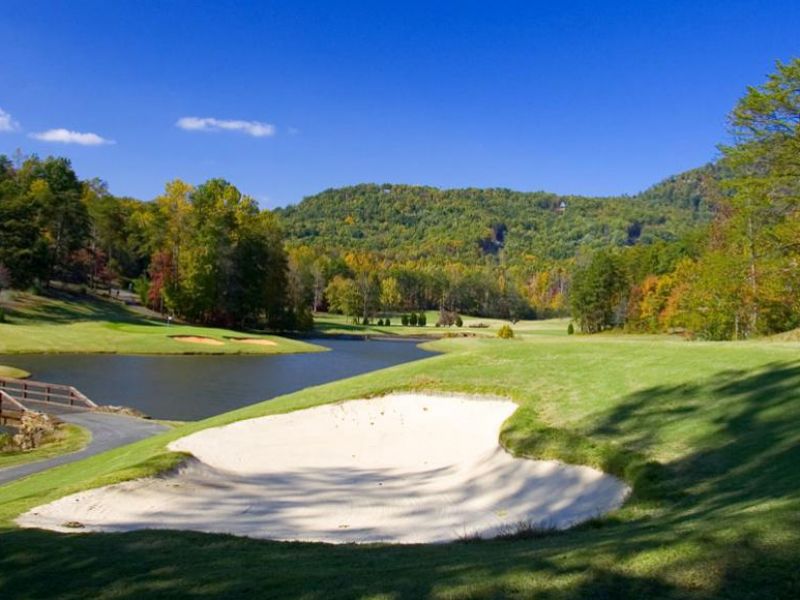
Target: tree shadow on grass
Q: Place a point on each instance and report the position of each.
(58, 306)
(744, 437)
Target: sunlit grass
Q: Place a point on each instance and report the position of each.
(67, 438)
(706, 432)
(37, 324)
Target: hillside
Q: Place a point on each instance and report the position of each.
(417, 222)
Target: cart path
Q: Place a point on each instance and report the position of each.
(108, 431)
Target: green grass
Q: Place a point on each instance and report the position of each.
(81, 324)
(707, 433)
(13, 372)
(67, 438)
(330, 323)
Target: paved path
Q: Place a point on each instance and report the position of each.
(108, 431)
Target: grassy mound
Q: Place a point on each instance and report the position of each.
(13, 372)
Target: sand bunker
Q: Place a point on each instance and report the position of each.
(196, 339)
(403, 468)
(253, 341)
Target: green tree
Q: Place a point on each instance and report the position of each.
(598, 292)
(760, 228)
(390, 294)
(343, 297)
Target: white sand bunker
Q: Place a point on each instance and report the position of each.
(403, 468)
(197, 339)
(253, 341)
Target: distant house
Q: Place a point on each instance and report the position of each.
(562, 207)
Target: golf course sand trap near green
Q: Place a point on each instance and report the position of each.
(404, 468)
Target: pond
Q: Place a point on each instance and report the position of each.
(187, 388)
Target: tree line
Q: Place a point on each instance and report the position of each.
(740, 276)
(207, 253)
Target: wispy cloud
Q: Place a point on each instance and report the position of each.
(65, 136)
(6, 122)
(253, 128)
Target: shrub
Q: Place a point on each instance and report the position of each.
(446, 318)
(365, 321)
(2, 315)
(304, 320)
(387, 322)
(412, 319)
(459, 321)
(570, 329)
(505, 332)
(36, 288)
(404, 320)
(422, 320)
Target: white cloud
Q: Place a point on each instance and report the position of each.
(254, 128)
(6, 122)
(65, 136)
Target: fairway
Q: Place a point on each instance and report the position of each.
(705, 433)
(68, 323)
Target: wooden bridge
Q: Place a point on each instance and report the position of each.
(20, 395)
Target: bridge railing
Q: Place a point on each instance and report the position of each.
(24, 390)
(11, 411)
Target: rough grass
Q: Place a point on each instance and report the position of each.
(707, 433)
(66, 438)
(81, 324)
(329, 323)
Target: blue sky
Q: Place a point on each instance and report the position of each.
(572, 97)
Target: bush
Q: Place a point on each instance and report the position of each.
(446, 318)
(387, 322)
(570, 329)
(404, 320)
(365, 321)
(505, 332)
(36, 288)
(412, 319)
(422, 320)
(459, 321)
(304, 320)
(2, 315)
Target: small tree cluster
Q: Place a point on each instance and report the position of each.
(414, 320)
(448, 318)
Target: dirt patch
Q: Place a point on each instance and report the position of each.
(253, 341)
(197, 339)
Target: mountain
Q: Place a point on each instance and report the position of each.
(467, 225)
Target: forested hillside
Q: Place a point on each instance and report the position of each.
(402, 222)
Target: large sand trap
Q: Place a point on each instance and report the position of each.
(402, 468)
(197, 339)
